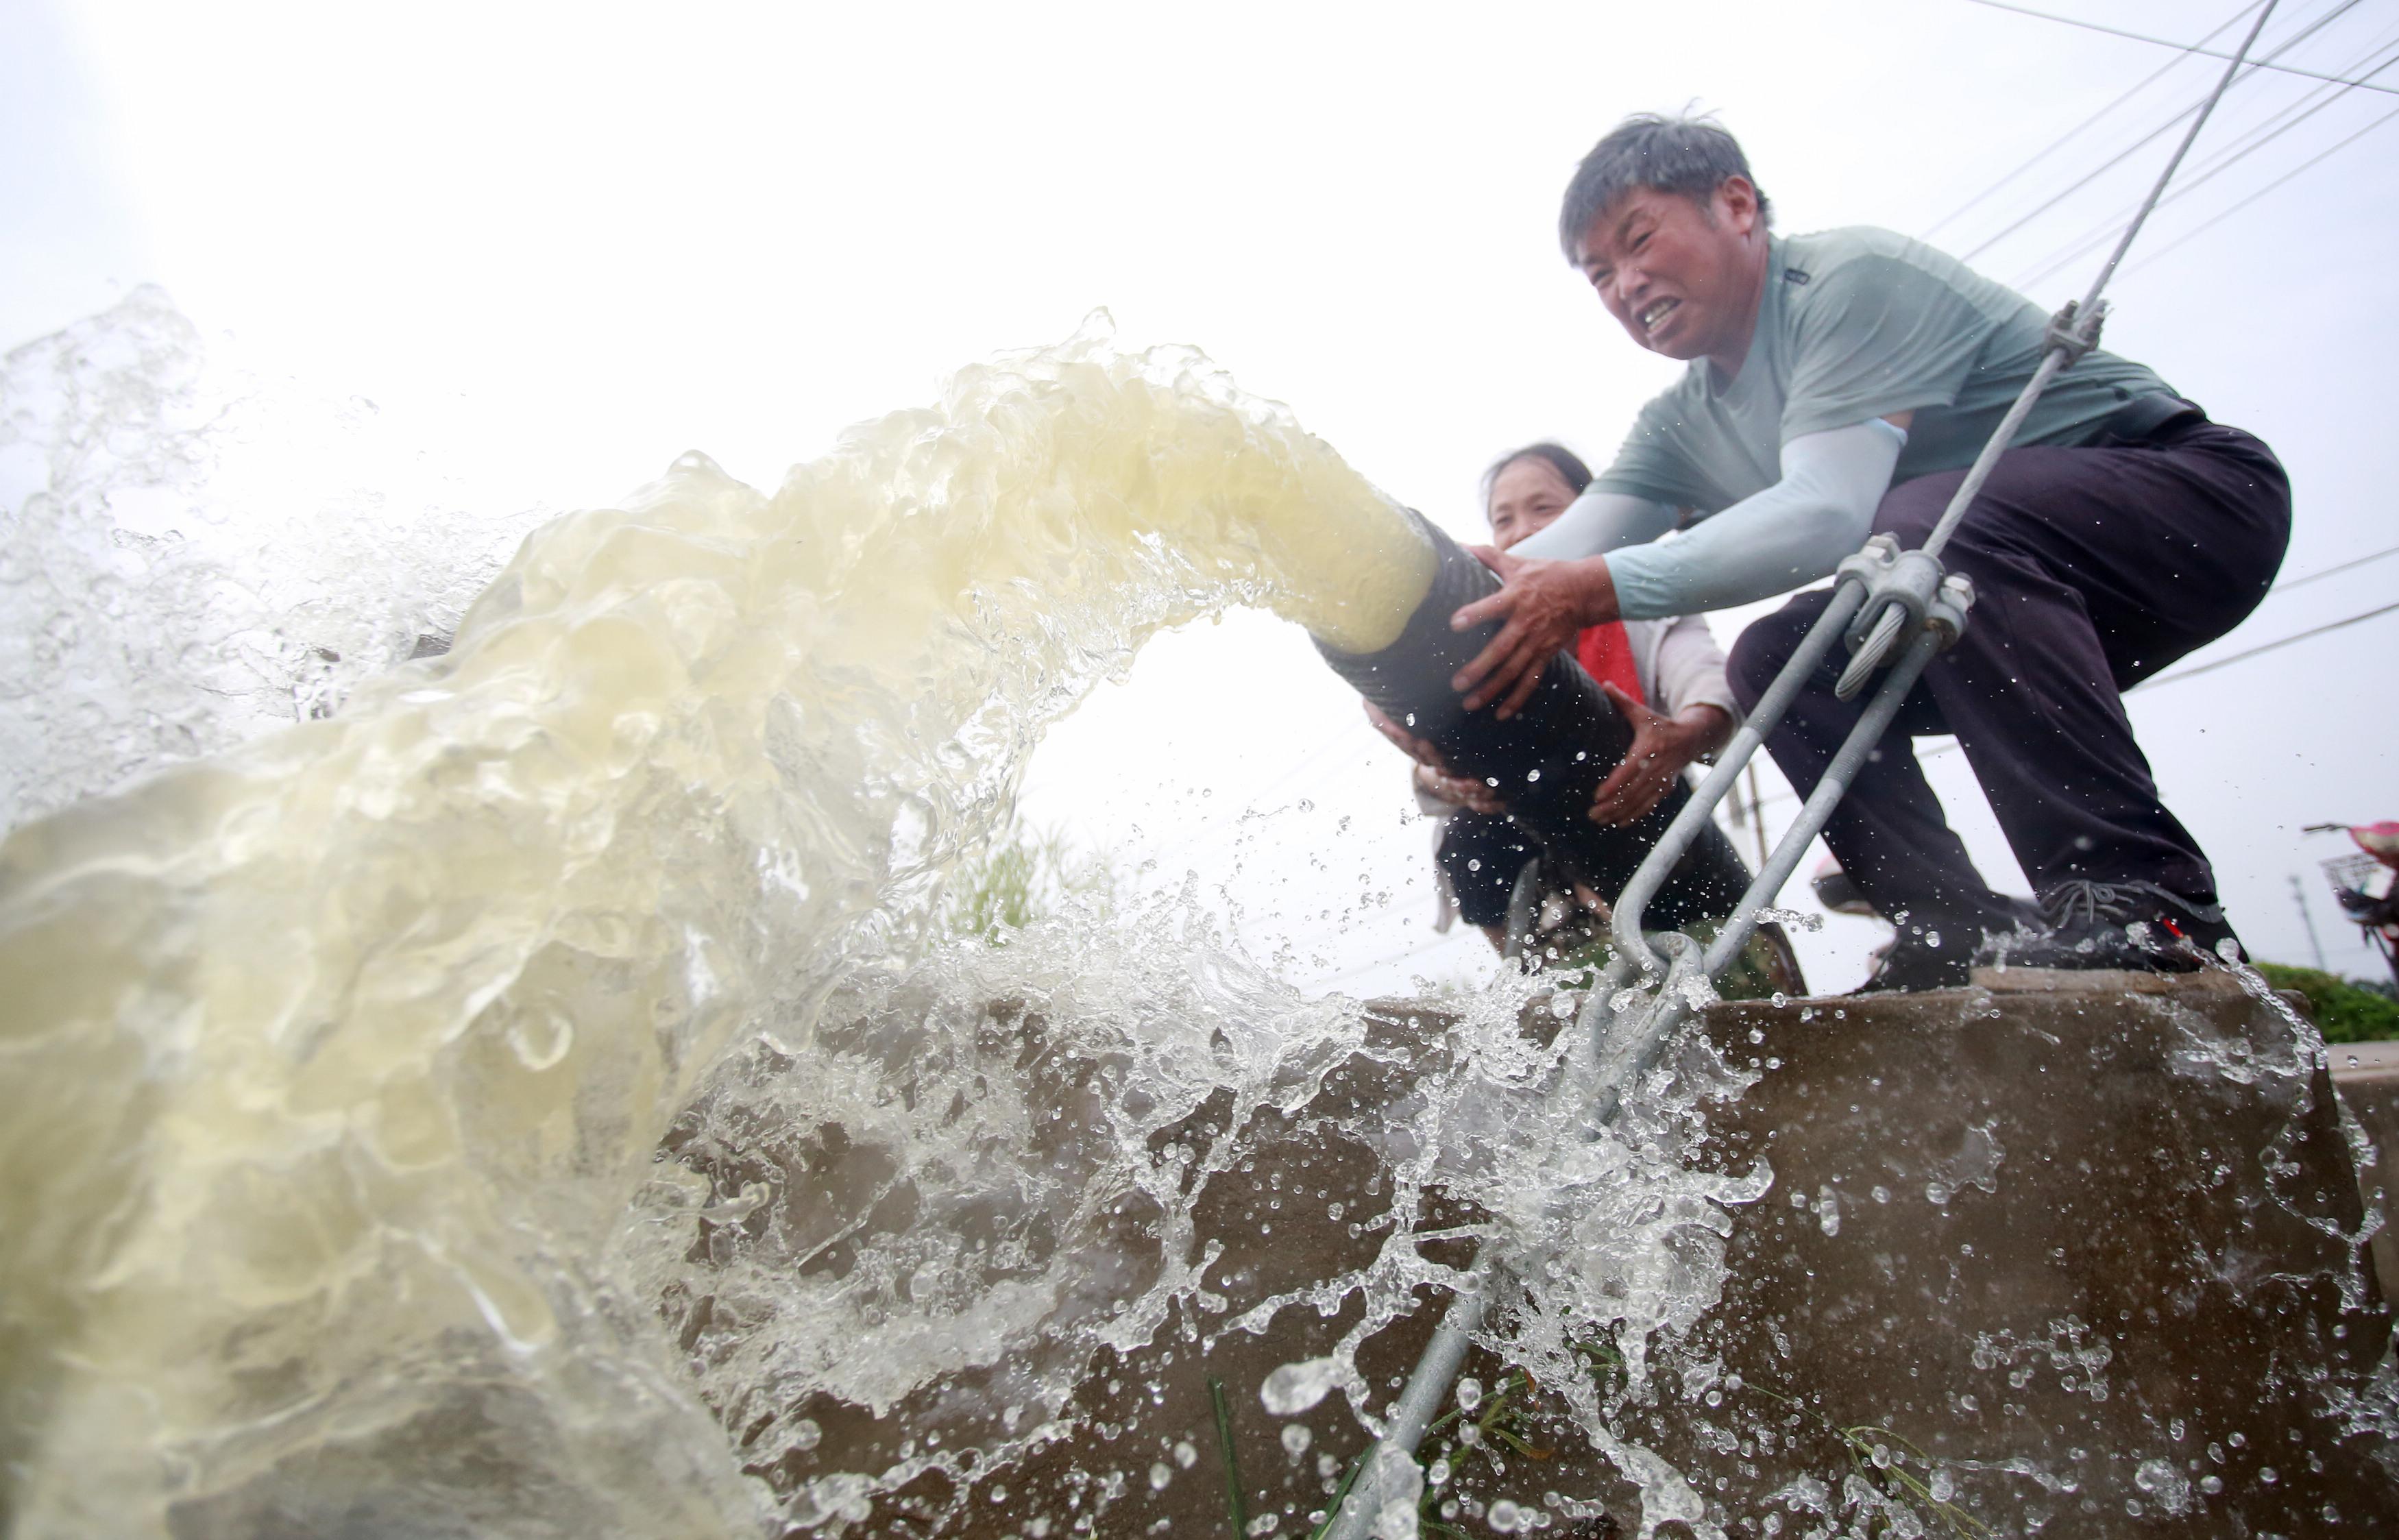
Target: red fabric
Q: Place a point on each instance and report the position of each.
(1606, 654)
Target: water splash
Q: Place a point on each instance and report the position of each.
(192, 555)
(334, 1061)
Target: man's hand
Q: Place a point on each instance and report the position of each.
(1433, 776)
(1661, 745)
(1544, 604)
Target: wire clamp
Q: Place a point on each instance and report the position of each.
(2073, 334)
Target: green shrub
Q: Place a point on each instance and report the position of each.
(2344, 1012)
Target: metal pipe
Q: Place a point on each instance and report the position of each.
(1625, 927)
(1868, 732)
(1615, 1065)
(1428, 1386)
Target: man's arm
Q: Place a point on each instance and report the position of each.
(1793, 532)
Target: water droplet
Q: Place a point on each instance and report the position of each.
(805, 1434)
(1159, 1475)
(1295, 1387)
(1295, 1438)
(1470, 1393)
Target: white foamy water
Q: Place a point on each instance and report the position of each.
(530, 1096)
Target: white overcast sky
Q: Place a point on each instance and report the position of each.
(562, 244)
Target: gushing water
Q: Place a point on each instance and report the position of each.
(340, 1063)
(334, 1061)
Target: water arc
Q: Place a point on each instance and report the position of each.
(333, 1061)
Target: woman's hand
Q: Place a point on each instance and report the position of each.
(1433, 776)
(1661, 745)
(1544, 604)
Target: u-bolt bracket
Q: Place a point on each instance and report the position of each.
(1905, 593)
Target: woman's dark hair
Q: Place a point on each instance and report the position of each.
(1565, 462)
(1690, 155)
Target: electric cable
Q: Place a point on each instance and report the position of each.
(2241, 150)
(2288, 584)
(2177, 676)
(2247, 73)
(2152, 258)
(2260, 132)
(2067, 137)
(2166, 41)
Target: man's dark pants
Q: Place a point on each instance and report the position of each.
(2093, 568)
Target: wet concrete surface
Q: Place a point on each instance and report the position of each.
(2073, 1255)
(2366, 1076)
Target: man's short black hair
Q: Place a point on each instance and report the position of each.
(1690, 155)
(1565, 462)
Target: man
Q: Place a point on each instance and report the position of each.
(1840, 385)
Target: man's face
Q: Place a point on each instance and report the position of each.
(1680, 277)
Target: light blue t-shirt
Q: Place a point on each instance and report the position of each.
(1855, 324)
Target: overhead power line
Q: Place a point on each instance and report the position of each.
(2255, 140)
(2063, 140)
(2209, 668)
(2279, 183)
(2290, 583)
(2248, 73)
(2170, 43)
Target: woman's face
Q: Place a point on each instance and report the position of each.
(1525, 497)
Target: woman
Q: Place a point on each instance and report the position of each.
(1665, 677)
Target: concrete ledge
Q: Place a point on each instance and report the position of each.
(2088, 1241)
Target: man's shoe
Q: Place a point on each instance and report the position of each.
(1906, 963)
(2130, 926)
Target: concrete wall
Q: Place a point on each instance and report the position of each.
(2079, 1251)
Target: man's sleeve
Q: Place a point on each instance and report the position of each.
(1655, 462)
(1876, 335)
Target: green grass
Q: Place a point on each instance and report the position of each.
(1022, 876)
(2343, 1012)
(1890, 1462)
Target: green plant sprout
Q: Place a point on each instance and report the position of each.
(1878, 1453)
(1885, 1469)
(1236, 1508)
